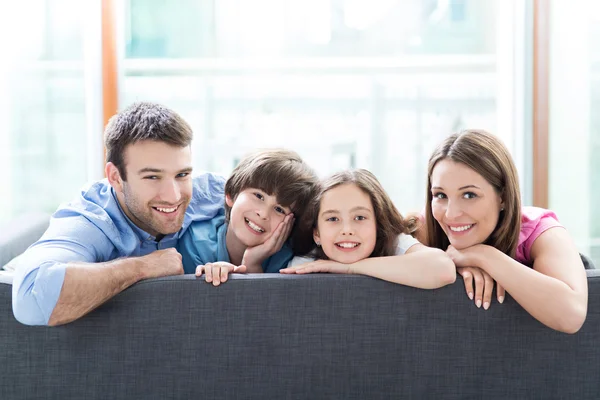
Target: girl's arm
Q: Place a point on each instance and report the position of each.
(554, 292)
(421, 267)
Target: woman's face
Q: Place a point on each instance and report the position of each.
(466, 206)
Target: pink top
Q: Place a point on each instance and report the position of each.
(534, 222)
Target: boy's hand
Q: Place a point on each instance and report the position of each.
(218, 272)
(254, 256)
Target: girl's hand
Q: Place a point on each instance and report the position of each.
(484, 283)
(218, 272)
(329, 266)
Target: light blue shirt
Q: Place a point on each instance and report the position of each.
(205, 242)
(93, 228)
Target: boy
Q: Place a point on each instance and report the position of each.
(264, 195)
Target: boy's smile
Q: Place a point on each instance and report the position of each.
(254, 216)
(254, 228)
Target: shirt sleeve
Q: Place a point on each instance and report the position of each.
(299, 261)
(40, 270)
(405, 242)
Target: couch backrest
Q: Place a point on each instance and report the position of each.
(316, 336)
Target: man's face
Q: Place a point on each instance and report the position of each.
(158, 187)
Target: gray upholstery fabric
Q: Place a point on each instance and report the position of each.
(19, 233)
(299, 337)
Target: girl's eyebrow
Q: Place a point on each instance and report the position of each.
(361, 208)
(354, 209)
(460, 188)
(330, 212)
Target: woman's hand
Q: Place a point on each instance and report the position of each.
(473, 276)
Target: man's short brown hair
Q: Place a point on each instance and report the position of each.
(143, 121)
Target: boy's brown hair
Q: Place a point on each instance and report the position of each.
(277, 172)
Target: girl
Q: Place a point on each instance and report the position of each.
(474, 213)
(357, 230)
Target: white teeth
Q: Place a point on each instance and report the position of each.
(254, 226)
(347, 245)
(460, 228)
(166, 210)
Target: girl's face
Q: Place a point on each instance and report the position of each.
(465, 205)
(346, 226)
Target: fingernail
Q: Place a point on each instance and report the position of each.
(486, 305)
(478, 303)
(501, 299)
(471, 295)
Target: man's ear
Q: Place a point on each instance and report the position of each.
(228, 201)
(114, 177)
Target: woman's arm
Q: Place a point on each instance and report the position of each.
(554, 292)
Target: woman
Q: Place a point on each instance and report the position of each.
(474, 213)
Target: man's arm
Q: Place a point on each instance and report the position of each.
(55, 293)
(86, 286)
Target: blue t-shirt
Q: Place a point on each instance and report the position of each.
(204, 242)
(92, 228)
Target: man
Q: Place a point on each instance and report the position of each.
(122, 229)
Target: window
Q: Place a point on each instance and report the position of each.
(365, 84)
(574, 170)
(43, 80)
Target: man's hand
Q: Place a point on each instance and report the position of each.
(162, 263)
(218, 272)
(254, 256)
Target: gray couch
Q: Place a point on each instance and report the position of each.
(299, 337)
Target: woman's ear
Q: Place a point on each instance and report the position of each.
(114, 176)
(228, 201)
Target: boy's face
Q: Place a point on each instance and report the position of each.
(158, 188)
(254, 216)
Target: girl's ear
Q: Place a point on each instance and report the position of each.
(316, 237)
(114, 177)
(228, 201)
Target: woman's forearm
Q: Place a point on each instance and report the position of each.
(548, 299)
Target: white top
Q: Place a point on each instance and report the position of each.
(405, 242)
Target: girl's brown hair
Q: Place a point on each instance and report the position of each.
(489, 157)
(389, 222)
